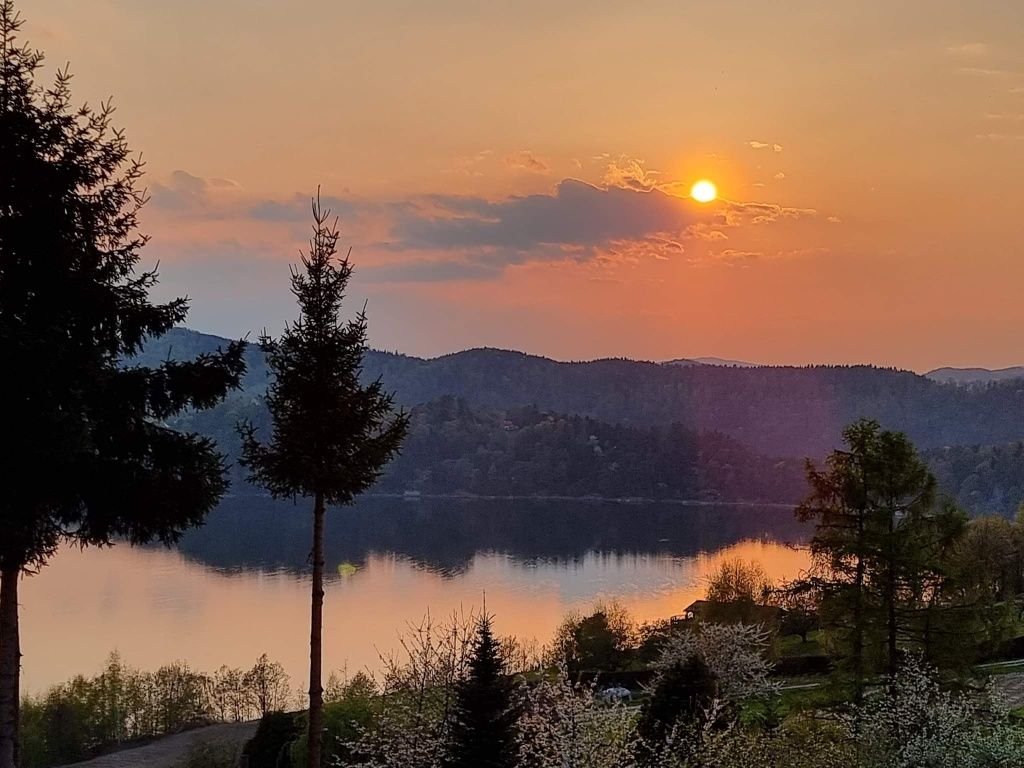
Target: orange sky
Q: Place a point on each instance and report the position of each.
(513, 174)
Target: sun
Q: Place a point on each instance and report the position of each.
(703, 191)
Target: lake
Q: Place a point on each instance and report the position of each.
(239, 586)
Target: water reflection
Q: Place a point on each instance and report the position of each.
(237, 588)
(444, 536)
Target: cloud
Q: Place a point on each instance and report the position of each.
(779, 176)
(737, 257)
(182, 191)
(764, 145)
(1000, 136)
(442, 237)
(630, 173)
(468, 165)
(969, 49)
(741, 214)
(525, 160)
(576, 213)
(987, 71)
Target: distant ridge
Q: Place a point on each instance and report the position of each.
(775, 411)
(975, 375)
(721, 362)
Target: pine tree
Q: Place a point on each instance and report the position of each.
(483, 730)
(86, 455)
(878, 545)
(331, 435)
(672, 718)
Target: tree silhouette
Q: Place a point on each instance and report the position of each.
(331, 434)
(86, 455)
(877, 550)
(483, 731)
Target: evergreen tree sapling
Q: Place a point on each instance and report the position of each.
(331, 434)
(483, 732)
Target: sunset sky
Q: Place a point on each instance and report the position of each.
(516, 174)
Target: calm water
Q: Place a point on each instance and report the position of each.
(239, 587)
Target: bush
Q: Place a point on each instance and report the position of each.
(345, 719)
(270, 746)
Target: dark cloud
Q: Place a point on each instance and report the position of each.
(441, 237)
(183, 191)
(576, 214)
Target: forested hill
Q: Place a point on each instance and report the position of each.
(776, 411)
(455, 447)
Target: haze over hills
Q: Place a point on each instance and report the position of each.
(489, 421)
(972, 376)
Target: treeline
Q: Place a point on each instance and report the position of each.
(776, 411)
(86, 716)
(984, 479)
(456, 447)
(453, 447)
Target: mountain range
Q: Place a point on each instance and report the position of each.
(757, 418)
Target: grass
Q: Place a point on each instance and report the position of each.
(792, 645)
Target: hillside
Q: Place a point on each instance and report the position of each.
(776, 411)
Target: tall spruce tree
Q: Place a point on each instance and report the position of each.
(86, 454)
(331, 435)
(878, 546)
(483, 728)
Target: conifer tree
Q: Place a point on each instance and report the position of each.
(878, 545)
(86, 455)
(483, 731)
(331, 434)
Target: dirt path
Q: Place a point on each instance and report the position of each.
(1012, 687)
(170, 751)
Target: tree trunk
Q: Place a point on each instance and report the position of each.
(857, 651)
(10, 668)
(892, 650)
(316, 691)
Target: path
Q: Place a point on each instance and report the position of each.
(1011, 686)
(170, 751)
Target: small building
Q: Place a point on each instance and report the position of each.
(748, 613)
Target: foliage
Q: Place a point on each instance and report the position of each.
(87, 453)
(701, 677)
(802, 741)
(801, 606)
(735, 592)
(413, 719)
(269, 746)
(880, 539)
(919, 724)
(87, 715)
(350, 709)
(482, 734)
(563, 724)
(72, 305)
(775, 411)
(604, 640)
(330, 434)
